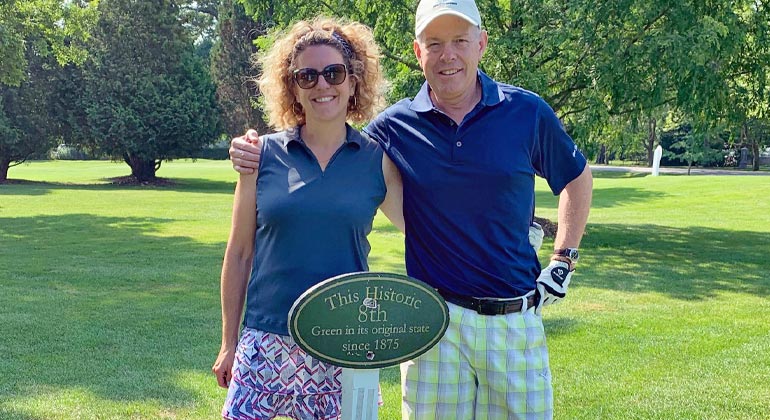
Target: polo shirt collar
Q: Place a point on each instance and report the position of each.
(491, 94)
(352, 136)
(422, 102)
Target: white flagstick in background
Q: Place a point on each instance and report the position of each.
(656, 160)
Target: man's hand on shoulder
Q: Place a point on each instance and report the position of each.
(552, 284)
(245, 152)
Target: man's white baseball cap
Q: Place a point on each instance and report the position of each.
(428, 10)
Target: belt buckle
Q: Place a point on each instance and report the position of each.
(490, 307)
(499, 307)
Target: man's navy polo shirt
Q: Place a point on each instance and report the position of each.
(311, 224)
(469, 189)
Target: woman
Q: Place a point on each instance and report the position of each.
(302, 217)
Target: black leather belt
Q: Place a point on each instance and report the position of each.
(488, 306)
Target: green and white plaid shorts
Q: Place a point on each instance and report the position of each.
(484, 368)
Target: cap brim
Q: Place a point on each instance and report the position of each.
(424, 24)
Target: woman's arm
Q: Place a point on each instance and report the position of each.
(236, 269)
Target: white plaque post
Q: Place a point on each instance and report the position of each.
(360, 394)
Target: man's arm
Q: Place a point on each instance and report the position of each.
(574, 204)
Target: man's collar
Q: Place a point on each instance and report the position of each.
(491, 94)
(421, 101)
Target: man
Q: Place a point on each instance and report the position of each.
(468, 149)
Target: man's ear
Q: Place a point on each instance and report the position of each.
(483, 41)
(417, 50)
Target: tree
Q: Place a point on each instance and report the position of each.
(749, 86)
(232, 72)
(26, 126)
(596, 63)
(199, 17)
(51, 25)
(696, 147)
(149, 98)
(35, 37)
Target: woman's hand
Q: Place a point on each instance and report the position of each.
(223, 366)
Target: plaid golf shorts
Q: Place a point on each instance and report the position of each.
(484, 368)
(272, 377)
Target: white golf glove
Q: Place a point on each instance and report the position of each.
(536, 236)
(552, 284)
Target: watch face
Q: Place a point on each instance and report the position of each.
(570, 253)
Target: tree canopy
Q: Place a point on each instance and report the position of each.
(153, 79)
(598, 64)
(35, 37)
(48, 26)
(232, 72)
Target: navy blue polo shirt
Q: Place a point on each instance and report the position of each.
(469, 189)
(311, 224)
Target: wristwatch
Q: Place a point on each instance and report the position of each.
(571, 254)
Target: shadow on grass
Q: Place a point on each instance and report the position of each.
(194, 185)
(102, 305)
(559, 325)
(602, 198)
(390, 375)
(685, 263)
(605, 174)
(16, 415)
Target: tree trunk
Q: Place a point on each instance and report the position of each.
(651, 142)
(746, 140)
(601, 158)
(141, 169)
(4, 165)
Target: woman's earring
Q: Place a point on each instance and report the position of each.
(296, 107)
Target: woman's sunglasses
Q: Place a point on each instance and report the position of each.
(307, 78)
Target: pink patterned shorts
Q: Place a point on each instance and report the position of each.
(272, 377)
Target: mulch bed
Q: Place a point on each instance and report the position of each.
(131, 181)
(549, 227)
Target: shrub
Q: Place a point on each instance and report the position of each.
(66, 152)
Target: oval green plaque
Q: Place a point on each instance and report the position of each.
(368, 320)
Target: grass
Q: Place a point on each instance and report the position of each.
(109, 303)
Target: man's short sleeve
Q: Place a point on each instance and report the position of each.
(556, 157)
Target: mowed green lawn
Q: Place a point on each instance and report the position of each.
(109, 296)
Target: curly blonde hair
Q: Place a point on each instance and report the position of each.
(353, 40)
